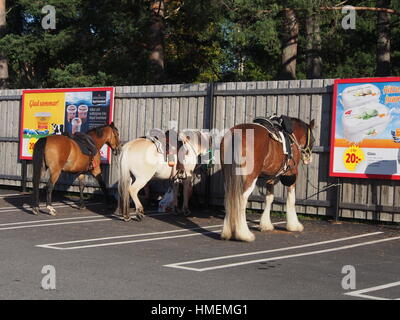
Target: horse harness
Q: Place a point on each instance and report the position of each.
(280, 129)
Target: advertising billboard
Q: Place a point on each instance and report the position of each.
(365, 137)
(57, 111)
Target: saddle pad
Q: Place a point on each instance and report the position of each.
(268, 124)
(85, 143)
(165, 146)
(158, 143)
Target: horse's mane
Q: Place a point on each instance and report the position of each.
(98, 130)
(297, 120)
(306, 127)
(300, 122)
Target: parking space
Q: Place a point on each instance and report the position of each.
(96, 255)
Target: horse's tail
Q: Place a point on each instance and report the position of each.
(38, 163)
(235, 224)
(124, 182)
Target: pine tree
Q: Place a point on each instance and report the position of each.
(3, 58)
(383, 40)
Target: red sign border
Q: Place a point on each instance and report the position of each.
(24, 91)
(333, 129)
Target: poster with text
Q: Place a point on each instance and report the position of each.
(365, 137)
(63, 111)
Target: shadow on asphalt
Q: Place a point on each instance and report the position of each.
(94, 203)
(187, 223)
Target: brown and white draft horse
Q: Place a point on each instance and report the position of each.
(60, 153)
(263, 156)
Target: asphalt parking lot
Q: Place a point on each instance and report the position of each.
(96, 255)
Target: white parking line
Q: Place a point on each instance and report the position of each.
(14, 195)
(53, 246)
(58, 245)
(60, 221)
(48, 220)
(124, 236)
(273, 250)
(360, 293)
(55, 223)
(56, 206)
(181, 265)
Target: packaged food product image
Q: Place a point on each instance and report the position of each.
(365, 121)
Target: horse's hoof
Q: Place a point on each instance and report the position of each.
(295, 227)
(35, 211)
(266, 227)
(186, 212)
(82, 207)
(139, 215)
(226, 233)
(52, 211)
(127, 219)
(177, 211)
(226, 236)
(245, 236)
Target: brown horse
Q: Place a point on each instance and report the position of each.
(263, 156)
(60, 153)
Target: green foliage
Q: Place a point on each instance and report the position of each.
(93, 43)
(105, 42)
(74, 76)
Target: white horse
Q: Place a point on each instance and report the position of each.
(143, 159)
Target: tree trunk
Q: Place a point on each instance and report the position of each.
(289, 45)
(314, 60)
(156, 41)
(383, 40)
(3, 59)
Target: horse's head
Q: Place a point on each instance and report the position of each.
(113, 140)
(199, 140)
(305, 140)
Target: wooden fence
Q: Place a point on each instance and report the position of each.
(219, 106)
